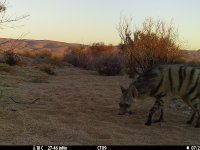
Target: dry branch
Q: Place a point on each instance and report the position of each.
(34, 101)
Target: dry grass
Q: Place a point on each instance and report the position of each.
(48, 69)
(6, 68)
(39, 80)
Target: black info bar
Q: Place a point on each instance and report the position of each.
(116, 147)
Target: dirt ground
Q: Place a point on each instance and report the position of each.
(78, 107)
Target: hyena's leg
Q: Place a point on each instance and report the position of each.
(161, 116)
(157, 105)
(198, 116)
(196, 106)
(192, 117)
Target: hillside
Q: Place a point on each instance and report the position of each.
(56, 48)
(37, 44)
(192, 55)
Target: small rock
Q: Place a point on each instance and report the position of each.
(13, 110)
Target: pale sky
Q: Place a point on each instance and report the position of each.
(89, 21)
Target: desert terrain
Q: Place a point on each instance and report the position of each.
(79, 107)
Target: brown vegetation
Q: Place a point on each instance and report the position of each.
(78, 57)
(155, 43)
(98, 56)
(11, 58)
(109, 64)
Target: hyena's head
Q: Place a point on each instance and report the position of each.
(127, 100)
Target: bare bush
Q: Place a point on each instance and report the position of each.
(97, 49)
(11, 58)
(4, 19)
(155, 43)
(109, 65)
(43, 54)
(99, 57)
(78, 58)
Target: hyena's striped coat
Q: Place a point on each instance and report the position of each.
(164, 82)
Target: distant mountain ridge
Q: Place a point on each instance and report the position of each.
(37, 44)
(25, 45)
(59, 48)
(193, 55)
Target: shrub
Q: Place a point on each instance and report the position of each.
(6, 68)
(28, 53)
(109, 65)
(155, 43)
(78, 58)
(43, 54)
(11, 58)
(57, 63)
(97, 49)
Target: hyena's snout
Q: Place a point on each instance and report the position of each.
(124, 109)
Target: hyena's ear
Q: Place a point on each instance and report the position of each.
(122, 89)
(134, 91)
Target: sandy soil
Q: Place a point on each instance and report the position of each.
(78, 107)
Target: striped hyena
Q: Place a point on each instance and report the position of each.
(164, 82)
